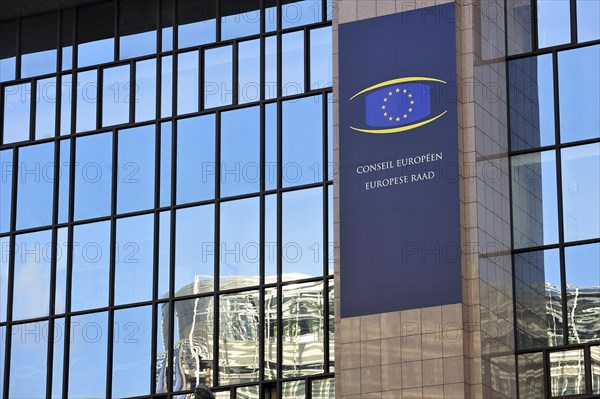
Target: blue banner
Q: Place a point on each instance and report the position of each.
(399, 193)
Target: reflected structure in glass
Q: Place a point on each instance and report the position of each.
(595, 363)
(567, 376)
(531, 375)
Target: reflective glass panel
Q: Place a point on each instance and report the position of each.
(239, 333)
(166, 89)
(270, 15)
(531, 375)
(595, 363)
(145, 90)
(588, 23)
(297, 13)
(28, 360)
(91, 264)
(38, 44)
(302, 235)
(531, 102)
(240, 151)
(197, 22)
(162, 343)
(33, 255)
(135, 184)
(64, 174)
(166, 20)
(330, 236)
(249, 392)
(115, 95)
(538, 299)
(579, 88)
(8, 51)
(240, 244)
(134, 266)
(193, 343)
(87, 356)
(218, 75)
(582, 270)
(321, 58)
(330, 159)
(249, 71)
(7, 172)
(195, 159)
(45, 108)
(581, 192)
(271, 169)
(87, 95)
(293, 390)
(58, 357)
(554, 22)
(270, 67)
(66, 33)
(137, 27)
(302, 141)
(2, 346)
(187, 82)
(270, 332)
(132, 352)
(194, 250)
(302, 335)
(4, 260)
(95, 34)
(35, 183)
(534, 199)
(93, 176)
(239, 18)
(519, 26)
(66, 101)
(166, 137)
(17, 109)
(271, 238)
(331, 326)
(62, 249)
(164, 253)
(323, 389)
(292, 63)
(567, 373)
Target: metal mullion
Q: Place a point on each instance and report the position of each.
(573, 21)
(116, 33)
(32, 108)
(548, 50)
(587, 361)
(99, 96)
(19, 49)
(201, 94)
(306, 34)
(534, 26)
(172, 238)
(158, 26)
(235, 72)
(218, 20)
(279, 35)
(132, 91)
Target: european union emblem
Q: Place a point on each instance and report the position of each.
(398, 105)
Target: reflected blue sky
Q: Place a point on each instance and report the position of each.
(321, 58)
(66, 102)
(17, 105)
(218, 69)
(166, 89)
(6, 175)
(237, 24)
(583, 266)
(115, 95)
(28, 361)
(300, 13)
(249, 71)
(187, 82)
(87, 95)
(35, 186)
(95, 52)
(45, 112)
(554, 23)
(588, 23)
(4, 260)
(292, 63)
(145, 90)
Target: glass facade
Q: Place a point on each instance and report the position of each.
(166, 201)
(554, 134)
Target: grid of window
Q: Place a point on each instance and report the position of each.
(554, 134)
(166, 200)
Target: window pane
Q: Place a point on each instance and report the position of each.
(166, 137)
(270, 67)
(293, 390)
(35, 186)
(531, 375)
(519, 26)
(331, 243)
(64, 174)
(302, 141)
(239, 333)
(240, 151)
(292, 63)
(579, 88)
(270, 15)
(588, 23)
(330, 158)
(91, 259)
(302, 234)
(300, 13)
(87, 95)
(33, 254)
(135, 185)
(17, 108)
(132, 352)
(67, 38)
(193, 343)
(87, 356)
(271, 170)
(580, 181)
(534, 199)
(7, 171)
(4, 259)
(166, 89)
(58, 356)
(595, 362)
(197, 22)
(8, 55)
(66, 101)
(93, 177)
(62, 249)
(270, 332)
(115, 95)
(554, 22)
(162, 343)
(538, 299)
(166, 20)
(28, 360)
(38, 44)
(96, 32)
(145, 90)
(134, 266)
(239, 18)
(187, 82)
(249, 71)
(567, 375)
(531, 102)
(583, 292)
(323, 389)
(320, 58)
(240, 243)
(45, 108)
(164, 254)
(218, 75)
(302, 333)
(137, 27)
(194, 250)
(195, 159)
(271, 238)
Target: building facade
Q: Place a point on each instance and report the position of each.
(170, 204)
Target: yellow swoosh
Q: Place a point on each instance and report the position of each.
(394, 81)
(398, 129)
